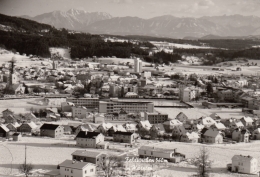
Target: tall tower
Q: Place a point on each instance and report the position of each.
(12, 76)
(137, 65)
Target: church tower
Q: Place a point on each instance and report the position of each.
(13, 79)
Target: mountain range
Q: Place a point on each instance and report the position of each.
(161, 26)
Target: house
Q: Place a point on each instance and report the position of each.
(30, 117)
(17, 136)
(155, 118)
(197, 127)
(256, 134)
(124, 137)
(130, 127)
(236, 124)
(212, 136)
(247, 121)
(95, 157)
(115, 128)
(157, 131)
(122, 115)
(178, 131)
(103, 128)
(10, 119)
(206, 121)
(188, 137)
(7, 112)
(169, 125)
(244, 164)
(67, 129)
(52, 130)
(4, 131)
(70, 168)
(13, 126)
(144, 128)
(79, 112)
(182, 117)
(219, 126)
(27, 127)
(85, 128)
(153, 152)
(89, 139)
(241, 135)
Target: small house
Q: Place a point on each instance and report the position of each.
(52, 130)
(157, 131)
(256, 134)
(241, 135)
(89, 139)
(213, 136)
(27, 127)
(188, 137)
(247, 121)
(17, 136)
(244, 164)
(70, 168)
(124, 137)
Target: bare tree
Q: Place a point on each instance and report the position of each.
(203, 163)
(26, 168)
(110, 165)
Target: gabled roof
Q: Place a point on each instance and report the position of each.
(158, 127)
(8, 110)
(49, 126)
(75, 164)
(242, 158)
(4, 127)
(211, 133)
(247, 119)
(123, 133)
(16, 134)
(89, 135)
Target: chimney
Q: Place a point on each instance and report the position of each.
(73, 161)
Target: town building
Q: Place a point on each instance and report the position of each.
(212, 136)
(169, 125)
(17, 136)
(70, 168)
(187, 94)
(124, 137)
(168, 154)
(137, 65)
(79, 112)
(95, 157)
(13, 126)
(86, 102)
(256, 134)
(27, 127)
(241, 135)
(244, 164)
(89, 139)
(52, 130)
(155, 118)
(247, 121)
(157, 131)
(115, 105)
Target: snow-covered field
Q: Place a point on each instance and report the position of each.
(45, 153)
(175, 45)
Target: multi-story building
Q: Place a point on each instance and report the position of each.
(137, 65)
(70, 168)
(244, 164)
(123, 137)
(89, 139)
(187, 94)
(86, 102)
(155, 118)
(79, 112)
(51, 130)
(247, 102)
(115, 105)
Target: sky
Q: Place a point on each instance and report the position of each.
(139, 8)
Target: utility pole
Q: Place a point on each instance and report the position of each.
(25, 155)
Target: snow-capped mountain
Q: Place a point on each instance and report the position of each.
(72, 19)
(162, 26)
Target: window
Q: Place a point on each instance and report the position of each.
(91, 170)
(144, 152)
(85, 171)
(71, 171)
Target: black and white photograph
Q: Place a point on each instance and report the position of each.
(129, 88)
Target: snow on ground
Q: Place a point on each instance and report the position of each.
(175, 45)
(64, 52)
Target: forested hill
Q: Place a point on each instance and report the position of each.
(26, 36)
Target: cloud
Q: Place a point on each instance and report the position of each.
(206, 3)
